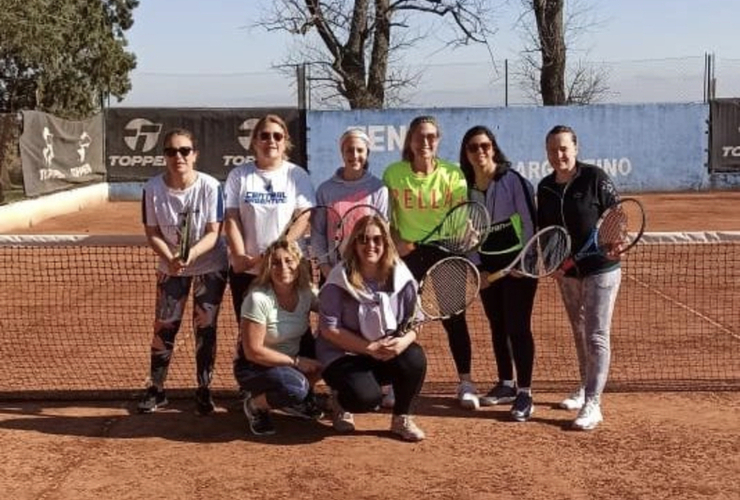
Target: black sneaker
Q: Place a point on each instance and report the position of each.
(260, 422)
(203, 401)
(152, 400)
(308, 409)
(523, 407)
(500, 394)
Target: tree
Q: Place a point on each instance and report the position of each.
(64, 56)
(352, 48)
(545, 73)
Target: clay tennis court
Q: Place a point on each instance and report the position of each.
(651, 445)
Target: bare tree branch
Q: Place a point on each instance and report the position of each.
(352, 47)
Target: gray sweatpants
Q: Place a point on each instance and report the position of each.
(589, 303)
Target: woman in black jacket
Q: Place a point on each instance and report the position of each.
(574, 196)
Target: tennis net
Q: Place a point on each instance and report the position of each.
(77, 317)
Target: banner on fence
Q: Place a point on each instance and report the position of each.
(134, 138)
(724, 152)
(642, 147)
(58, 154)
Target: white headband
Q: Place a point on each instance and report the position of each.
(355, 132)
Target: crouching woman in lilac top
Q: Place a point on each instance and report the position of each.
(367, 298)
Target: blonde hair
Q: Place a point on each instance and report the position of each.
(254, 137)
(351, 259)
(406, 153)
(304, 275)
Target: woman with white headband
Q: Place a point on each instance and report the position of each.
(351, 185)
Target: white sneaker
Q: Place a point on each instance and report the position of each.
(589, 416)
(467, 394)
(404, 426)
(574, 401)
(389, 398)
(342, 421)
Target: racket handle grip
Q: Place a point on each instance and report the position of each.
(497, 275)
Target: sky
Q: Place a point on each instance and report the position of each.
(196, 53)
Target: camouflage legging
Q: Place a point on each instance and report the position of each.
(172, 295)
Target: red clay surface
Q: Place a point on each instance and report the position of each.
(651, 445)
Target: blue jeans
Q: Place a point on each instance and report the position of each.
(282, 385)
(589, 302)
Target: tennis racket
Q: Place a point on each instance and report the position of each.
(445, 290)
(300, 227)
(542, 255)
(186, 225)
(462, 229)
(618, 229)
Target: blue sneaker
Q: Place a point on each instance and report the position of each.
(500, 394)
(523, 407)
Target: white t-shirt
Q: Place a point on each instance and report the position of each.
(266, 200)
(165, 207)
(284, 329)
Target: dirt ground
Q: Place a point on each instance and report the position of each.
(677, 445)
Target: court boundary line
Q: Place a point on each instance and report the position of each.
(685, 307)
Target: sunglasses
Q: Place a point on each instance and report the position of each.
(376, 240)
(172, 152)
(474, 147)
(275, 136)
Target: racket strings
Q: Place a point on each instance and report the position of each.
(546, 252)
(464, 227)
(622, 227)
(449, 288)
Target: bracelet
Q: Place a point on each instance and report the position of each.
(296, 360)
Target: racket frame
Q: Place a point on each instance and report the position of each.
(426, 317)
(592, 248)
(517, 262)
(482, 231)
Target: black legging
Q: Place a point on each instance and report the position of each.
(239, 284)
(458, 336)
(358, 380)
(508, 305)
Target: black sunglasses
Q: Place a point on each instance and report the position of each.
(474, 147)
(377, 239)
(172, 152)
(275, 136)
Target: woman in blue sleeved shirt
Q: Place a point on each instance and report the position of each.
(508, 301)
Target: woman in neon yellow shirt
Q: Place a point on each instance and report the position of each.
(422, 189)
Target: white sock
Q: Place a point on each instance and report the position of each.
(508, 383)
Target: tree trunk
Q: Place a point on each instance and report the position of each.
(549, 16)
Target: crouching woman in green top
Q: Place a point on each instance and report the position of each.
(274, 319)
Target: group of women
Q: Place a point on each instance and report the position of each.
(369, 294)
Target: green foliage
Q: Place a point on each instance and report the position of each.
(64, 56)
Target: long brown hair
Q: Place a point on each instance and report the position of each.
(352, 260)
(406, 153)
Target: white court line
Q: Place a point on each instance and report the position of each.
(685, 307)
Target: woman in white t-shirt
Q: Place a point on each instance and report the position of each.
(261, 198)
(274, 319)
(168, 198)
